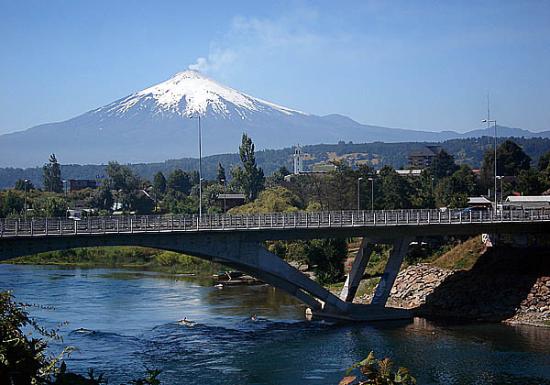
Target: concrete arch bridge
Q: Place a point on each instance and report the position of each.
(238, 242)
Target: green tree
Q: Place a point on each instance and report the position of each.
(530, 182)
(394, 189)
(454, 191)
(274, 199)
(511, 159)
(24, 357)
(11, 203)
(179, 181)
(50, 206)
(52, 175)
(424, 187)
(544, 162)
(122, 178)
(103, 198)
(23, 185)
(327, 256)
(249, 178)
(159, 184)
(178, 203)
(125, 183)
(220, 174)
(443, 165)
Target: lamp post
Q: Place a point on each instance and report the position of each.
(66, 202)
(500, 177)
(200, 163)
(26, 181)
(224, 194)
(372, 194)
(488, 121)
(358, 193)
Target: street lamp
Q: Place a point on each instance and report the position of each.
(26, 181)
(488, 121)
(371, 193)
(358, 195)
(200, 163)
(501, 177)
(224, 194)
(66, 202)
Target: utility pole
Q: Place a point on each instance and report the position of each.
(26, 181)
(371, 193)
(200, 163)
(358, 193)
(488, 121)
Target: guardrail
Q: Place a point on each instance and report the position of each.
(223, 222)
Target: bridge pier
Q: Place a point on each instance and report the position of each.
(357, 270)
(400, 247)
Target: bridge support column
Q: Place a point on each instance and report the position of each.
(357, 270)
(274, 270)
(395, 260)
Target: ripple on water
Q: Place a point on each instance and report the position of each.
(124, 323)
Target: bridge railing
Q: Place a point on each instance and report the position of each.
(224, 222)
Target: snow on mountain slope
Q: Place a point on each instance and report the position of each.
(190, 93)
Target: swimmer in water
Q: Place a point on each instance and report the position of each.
(254, 318)
(186, 322)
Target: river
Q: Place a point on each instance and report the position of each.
(123, 322)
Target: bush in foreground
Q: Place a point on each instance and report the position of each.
(24, 360)
(372, 371)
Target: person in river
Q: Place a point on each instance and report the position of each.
(186, 322)
(254, 317)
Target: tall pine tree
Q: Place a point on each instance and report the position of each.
(52, 175)
(250, 178)
(220, 177)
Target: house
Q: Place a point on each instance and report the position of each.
(229, 200)
(479, 202)
(527, 202)
(423, 158)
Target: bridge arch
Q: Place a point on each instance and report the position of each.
(232, 250)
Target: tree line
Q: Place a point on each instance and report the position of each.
(466, 151)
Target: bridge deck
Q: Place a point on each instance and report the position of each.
(44, 227)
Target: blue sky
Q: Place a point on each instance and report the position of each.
(411, 64)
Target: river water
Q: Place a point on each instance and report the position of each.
(123, 322)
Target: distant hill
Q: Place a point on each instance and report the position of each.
(469, 151)
(156, 124)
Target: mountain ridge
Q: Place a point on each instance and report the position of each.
(156, 124)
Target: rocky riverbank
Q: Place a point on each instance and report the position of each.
(504, 285)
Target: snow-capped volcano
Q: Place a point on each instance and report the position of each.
(190, 93)
(155, 125)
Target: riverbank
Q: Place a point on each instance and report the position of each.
(122, 257)
(470, 282)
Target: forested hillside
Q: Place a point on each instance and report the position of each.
(377, 154)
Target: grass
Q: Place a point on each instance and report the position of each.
(122, 256)
(461, 257)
